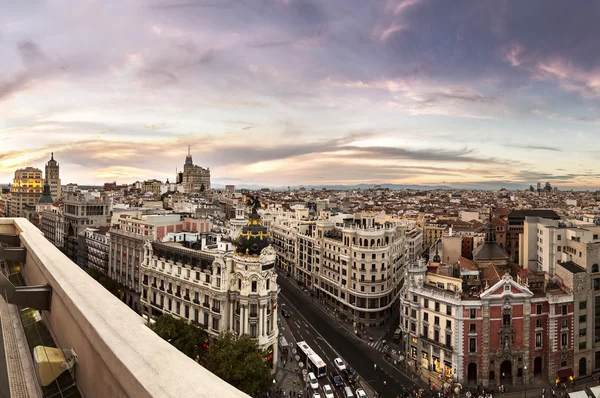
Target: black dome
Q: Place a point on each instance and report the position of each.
(46, 198)
(253, 238)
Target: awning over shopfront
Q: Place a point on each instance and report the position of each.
(563, 373)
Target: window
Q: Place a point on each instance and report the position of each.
(582, 319)
(564, 310)
(538, 323)
(448, 310)
(413, 313)
(564, 324)
(582, 332)
(563, 340)
(413, 327)
(436, 321)
(538, 309)
(506, 319)
(253, 330)
(473, 313)
(437, 306)
(426, 303)
(426, 331)
(507, 288)
(436, 335)
(582, 305)
(538, 339)
(448, 340)
(558, 237)
(254, 286)
(215, 324)
(582, 345)
(472, 328)
(472, 345)
(268, 285)
(448, 324)
(425, 317)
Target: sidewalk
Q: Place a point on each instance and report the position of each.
(286, 374)
(377, 332)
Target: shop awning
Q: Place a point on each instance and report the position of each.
(566, 372)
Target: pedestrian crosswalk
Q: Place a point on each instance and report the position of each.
(379, 345)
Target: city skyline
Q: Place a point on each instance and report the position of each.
(292, 92)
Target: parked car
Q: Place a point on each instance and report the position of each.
(328, 391)
(337, 380)
(285, 313)
(312, 381)
(339, 364)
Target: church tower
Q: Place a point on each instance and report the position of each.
(53, 177)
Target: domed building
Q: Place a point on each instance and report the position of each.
(255, 284)
(221, 286)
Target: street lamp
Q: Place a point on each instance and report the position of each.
(273, 391)
(525, 379)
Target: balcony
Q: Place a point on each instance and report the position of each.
(216, 310)
(206, 304)
(196, 301)
(112, 341)
(436, 343)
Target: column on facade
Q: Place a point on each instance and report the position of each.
(245, 319)
(526, 341)
(260, 320)
(230, 317)
(485, 357)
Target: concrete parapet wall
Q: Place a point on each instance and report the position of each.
(119, 356)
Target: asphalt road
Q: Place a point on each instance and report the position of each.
(329, 340)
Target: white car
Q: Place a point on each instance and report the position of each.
(339, 364)
(312, 381)
(360, 393)
(328, 391)
(317, 395)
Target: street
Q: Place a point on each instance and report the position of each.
(329, 340)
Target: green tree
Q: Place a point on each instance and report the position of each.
(184, 336)
(240, 362)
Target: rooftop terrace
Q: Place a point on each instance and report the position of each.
(119, 356)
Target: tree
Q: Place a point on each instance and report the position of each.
(240, 362)
(187, 338)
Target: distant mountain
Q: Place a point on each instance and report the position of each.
(336, 187)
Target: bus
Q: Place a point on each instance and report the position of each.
(313, 362)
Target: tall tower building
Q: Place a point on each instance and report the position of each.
(26, 190)
(194, 178)
(53, 177)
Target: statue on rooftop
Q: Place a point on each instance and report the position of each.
(254, 203)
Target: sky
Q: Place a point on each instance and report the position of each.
(482, 93)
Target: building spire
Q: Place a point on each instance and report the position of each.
(189, 150)
(52, 156)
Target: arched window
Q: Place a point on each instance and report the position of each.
(595, 268)
(372, 242)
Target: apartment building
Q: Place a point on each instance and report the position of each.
(516, 220)
(353, 264)
(26, 190)
(52, 223)
(83, 211)
(127, 239)
(570, 250)
(94, 248)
